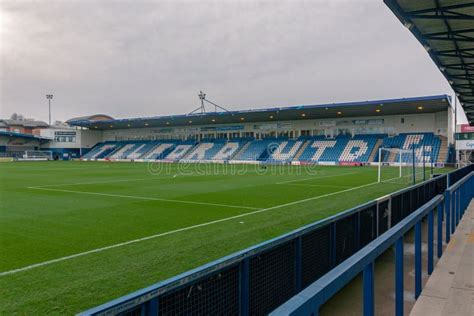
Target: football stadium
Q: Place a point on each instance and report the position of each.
(344, 208)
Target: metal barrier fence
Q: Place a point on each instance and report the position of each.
(456, 199)
(455, 176)
(257, 280)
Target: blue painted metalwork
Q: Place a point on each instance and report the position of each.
(369, 293)
(430, 240)
(439, 234)
(149, 299)
(332, 232)
(418, 259)
(298, 259)
(309, 301)
(154, 306)
(447, 207)
(399, 279)
(244, 287)
(234, 116)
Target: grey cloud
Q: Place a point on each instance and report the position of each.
(141, 58)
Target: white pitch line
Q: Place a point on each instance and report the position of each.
(317, 185)
(100, 182)
(146, 198)
(45, 263)
(315, 178)
(171, 176)
(54, 169)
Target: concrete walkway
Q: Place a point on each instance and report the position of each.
(450, 289)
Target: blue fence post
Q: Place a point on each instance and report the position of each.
(453, 212)
(368, 280)
(464, 197)
(357, 231)
(153, 306)
(332, 234)
(417, 259)
(399, 277)
(447, 208)
(430, 240)
(298, 243)
(440, 230)
(244, 286)
(459, 206)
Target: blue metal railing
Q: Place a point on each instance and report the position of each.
(244, 282)
(454, 202)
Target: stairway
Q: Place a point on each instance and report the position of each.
(301, 150)
(376, 149)
(116, 149)
(244, 148)
(443, 149)
(392, 157)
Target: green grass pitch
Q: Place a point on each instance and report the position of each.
(71, 233)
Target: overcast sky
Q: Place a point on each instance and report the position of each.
(145, 58)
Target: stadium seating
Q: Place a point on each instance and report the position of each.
(230, 148)
(157, 151)
(180, 150)
(121, 151)
(256, 150)
(285, 150)
(141, 150)
(341, 149)
(101, 150)
(359, 148)
(426, 143)
(205, 150)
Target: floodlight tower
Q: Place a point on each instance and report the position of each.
(202, 107)
(49, 97)
(202, 97)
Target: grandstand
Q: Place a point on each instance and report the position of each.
(347, 133)
(291, 210)
(339, 150)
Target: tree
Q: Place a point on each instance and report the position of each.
(17, 117)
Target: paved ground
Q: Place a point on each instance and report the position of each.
(450, 289)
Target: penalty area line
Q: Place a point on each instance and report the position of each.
(98, 250)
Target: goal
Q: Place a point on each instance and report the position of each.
(38, 155)
(396, 165)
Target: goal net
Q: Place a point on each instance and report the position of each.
(397, 166)
(38, 155)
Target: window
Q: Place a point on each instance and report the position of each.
(402, 120)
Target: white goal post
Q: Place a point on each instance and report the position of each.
(38, 155)
(396, 157)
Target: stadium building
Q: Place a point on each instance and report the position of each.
(329, 241)
(343, 133)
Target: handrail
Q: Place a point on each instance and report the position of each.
(456, 199)
(460, 182)
(315, 295)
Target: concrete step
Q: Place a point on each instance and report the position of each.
(301, 150)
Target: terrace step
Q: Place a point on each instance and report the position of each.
(243, 149)
(443, 150)
(301, 150)
(376, 150)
